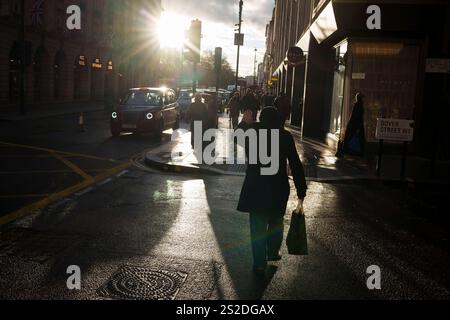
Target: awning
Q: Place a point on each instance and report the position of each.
(342, 18)
(304, 41)
(325, 24)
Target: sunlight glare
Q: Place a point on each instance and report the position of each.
(171, 30)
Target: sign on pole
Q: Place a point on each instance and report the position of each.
(395, 130)
(295, 55)
(238, 39)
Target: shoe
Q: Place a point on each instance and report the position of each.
(260, 272)
(274, 258)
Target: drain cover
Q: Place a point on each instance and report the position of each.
(138, 283)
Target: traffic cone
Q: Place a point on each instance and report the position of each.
(81, 122)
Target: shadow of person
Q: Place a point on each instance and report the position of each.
(232, 233)
(113, 224)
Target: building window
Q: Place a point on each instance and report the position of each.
(386, 73)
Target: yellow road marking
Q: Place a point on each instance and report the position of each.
(25, 156)
(48, 171)
(72, 166)
(24, 196)
(70, 154)
(25, 211)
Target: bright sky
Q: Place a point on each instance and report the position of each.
(218, 18)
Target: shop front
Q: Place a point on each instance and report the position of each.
(387, 66)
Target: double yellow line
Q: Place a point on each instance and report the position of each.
(52, 198)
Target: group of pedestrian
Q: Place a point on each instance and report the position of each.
(238, 106)
(255, 101)
(204, 109)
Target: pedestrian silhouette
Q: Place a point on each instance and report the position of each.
(197, 112)
(355, 138)
(266, 197)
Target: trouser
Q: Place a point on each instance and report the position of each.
(266, 235)
(235, 121)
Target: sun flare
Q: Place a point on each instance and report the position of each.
(171, 30)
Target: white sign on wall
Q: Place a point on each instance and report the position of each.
(395, 130)
(438, 66)
(358, 76)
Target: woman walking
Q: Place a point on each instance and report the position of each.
(355, 138)
(266, 197)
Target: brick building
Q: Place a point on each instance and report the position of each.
(115, 49)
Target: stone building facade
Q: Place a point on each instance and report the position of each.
(116, 48)
(394, 67)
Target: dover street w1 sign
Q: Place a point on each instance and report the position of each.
(395, 130)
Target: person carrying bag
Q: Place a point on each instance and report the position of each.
(265, 197)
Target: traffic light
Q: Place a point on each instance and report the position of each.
(194, 38)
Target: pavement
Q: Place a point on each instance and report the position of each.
(319, 160)
(183, 231)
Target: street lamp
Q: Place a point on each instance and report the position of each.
(22, 58)
(254, 68)
(239, 25)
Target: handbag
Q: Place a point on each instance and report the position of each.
(297, 240)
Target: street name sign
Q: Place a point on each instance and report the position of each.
(395, 130)
(358, 76)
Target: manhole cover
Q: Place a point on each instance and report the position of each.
(138, 283)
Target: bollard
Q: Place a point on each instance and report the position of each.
(81, 122)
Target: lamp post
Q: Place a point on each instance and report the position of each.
(241, 4)
(254, 68)
(22, 58)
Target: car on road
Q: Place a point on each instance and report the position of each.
(146, 110)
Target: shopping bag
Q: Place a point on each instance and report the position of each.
(297, 240)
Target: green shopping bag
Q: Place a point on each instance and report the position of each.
(297, 240)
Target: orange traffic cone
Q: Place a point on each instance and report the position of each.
(81, 122)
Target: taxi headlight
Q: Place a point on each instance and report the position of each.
(114, 115)
(149, 116)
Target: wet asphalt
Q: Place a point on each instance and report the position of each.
(188, 225)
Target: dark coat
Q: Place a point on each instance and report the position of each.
(283, 105)
(234, 107)
(197, 111)
(355, 127)
(271, 193)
